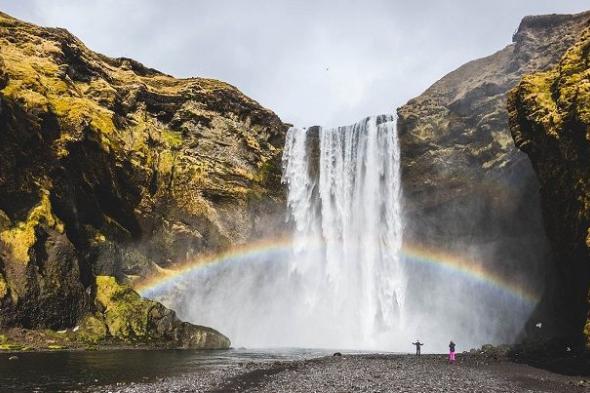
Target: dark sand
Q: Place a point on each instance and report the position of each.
(370, 373)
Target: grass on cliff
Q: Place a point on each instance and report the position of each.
(38, 82)
(562, 92)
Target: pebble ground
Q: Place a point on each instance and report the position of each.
(371, 374)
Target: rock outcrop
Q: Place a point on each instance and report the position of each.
(110, 168)
(456, 133)
(550, 121)
(466, 185)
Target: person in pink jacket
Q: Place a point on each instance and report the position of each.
(452, 352)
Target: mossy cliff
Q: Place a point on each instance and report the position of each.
(455, 136)
(110, 168)
(550, 122)
(466, 185)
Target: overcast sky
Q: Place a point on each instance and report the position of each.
(312, 62)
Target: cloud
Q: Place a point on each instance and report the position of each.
(320, 62)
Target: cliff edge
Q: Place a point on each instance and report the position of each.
(550, 122)
(112, 169)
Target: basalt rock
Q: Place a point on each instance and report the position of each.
(466, 185)
(550, 122)
(110, 168)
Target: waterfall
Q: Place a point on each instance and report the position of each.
(344, 194)
(338, 283)
(341, 280)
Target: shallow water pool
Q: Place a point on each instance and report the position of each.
(73, 371)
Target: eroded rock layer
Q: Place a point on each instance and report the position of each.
(550, 121)
(110, 168)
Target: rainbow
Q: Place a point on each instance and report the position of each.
(280, 248)
(238, 254)
(469, 268)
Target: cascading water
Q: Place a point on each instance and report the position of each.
(343, 281)
(339, 284)
(346, 198)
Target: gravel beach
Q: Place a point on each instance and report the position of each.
(368, 373)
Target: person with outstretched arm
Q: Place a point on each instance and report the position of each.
(418, 344)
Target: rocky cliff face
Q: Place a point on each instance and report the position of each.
(550, 121)
(466, 185)
(110, 168)
(457, 132)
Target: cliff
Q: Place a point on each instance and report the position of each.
(112, 169)
(456, 133)
(467, 187)
(550, 122)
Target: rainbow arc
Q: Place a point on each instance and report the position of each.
(280, 249)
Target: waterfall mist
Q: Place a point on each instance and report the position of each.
(344, 280)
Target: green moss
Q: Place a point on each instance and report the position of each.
(86, 89)
(6, 20)
(553, 96)
(22, 237)
(551, 111)
(10, 347)
(29, 98)
(92, 329)
(34, 80)
(537, 89)
(574, 60)
(76, 111)
(135, 137)
(269, 171)
(99, 89)
(211, 85)
(126, 313)
(30, 75)
(166, 161)
(172, 138)
(265, 170)
(3, 287)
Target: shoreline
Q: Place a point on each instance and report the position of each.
(567, 364)
(370, 373)
(141, 369)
